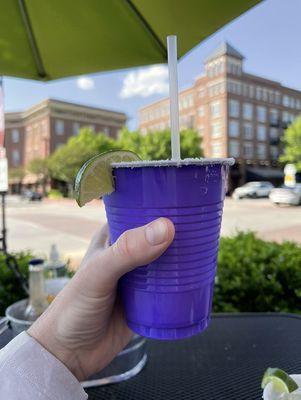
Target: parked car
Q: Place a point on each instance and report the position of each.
(32, 195)
(253, 190)
(286, 195)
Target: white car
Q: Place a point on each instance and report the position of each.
(286, 195)
(253, 190)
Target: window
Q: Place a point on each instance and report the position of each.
(190, 100)
(274, 152)
(216, 88)
(202, 92)
(264, 95)
(286, 101)
(215, 109)
(76, 128)
(58, 145)
(273, 115)
(247, 110)
(261, 151)
(234, 108)
(248, 131)
(201, 111)
(251, 91)
(216, 150)
(277, 97)
(210, 72)
(248, 150)
(274, 133)
(234, 86)
(298, 104)
(233, 67)
(234, 150)
(59, 127)
(233, 128)
(92, 127)
(216, 129)
(16, 157)
(261, 114)
(215, 68)
(287, 117)
(106, 130)
(201, 129)
(245, 89)
(15, 135)
(271, 96)
(258, 93)
(292, 102)
(261, 132)
(187, 101)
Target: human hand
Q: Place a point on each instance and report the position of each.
(84, 327)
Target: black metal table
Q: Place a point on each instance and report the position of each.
(226, 362)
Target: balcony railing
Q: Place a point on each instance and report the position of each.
(274, 141)
(279, 124)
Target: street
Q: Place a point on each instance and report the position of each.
(36, 226)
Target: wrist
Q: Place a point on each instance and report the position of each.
(48, 337)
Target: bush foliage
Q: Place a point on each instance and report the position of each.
(253, 276)
(10, 288)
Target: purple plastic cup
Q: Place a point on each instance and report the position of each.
(170, 298)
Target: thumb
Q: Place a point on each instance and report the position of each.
(134, 248)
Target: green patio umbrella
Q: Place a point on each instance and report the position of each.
(58, 38)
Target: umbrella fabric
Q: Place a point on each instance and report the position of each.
(57, 38)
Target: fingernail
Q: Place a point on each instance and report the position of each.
(156, 232)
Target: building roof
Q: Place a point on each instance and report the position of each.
(224, 49)
(64, 106)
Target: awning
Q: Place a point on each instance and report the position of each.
(266, 173)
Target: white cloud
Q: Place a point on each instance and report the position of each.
(85, 83)
(145, 82)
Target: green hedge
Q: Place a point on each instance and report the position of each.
(55, 194)
(255, 275)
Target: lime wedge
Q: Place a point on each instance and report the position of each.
(95, 179)
(280, 380)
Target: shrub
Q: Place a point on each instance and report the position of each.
(54, 194)
(10, 288)
(255, 275)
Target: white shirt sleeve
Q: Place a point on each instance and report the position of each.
(28, 371)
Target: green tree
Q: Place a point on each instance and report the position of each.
(40, 167)
(156, 145)
(67, 159)
(292, 144)
(16, 174)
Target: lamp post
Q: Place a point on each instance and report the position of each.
(10, 260)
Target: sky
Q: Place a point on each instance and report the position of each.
(267, 35)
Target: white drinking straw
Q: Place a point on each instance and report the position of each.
(173, 96)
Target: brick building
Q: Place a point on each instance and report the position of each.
(38, 131)
(237, 114)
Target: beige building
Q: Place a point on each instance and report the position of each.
(41, 129)
(237, 114)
